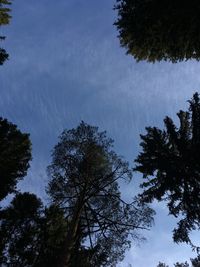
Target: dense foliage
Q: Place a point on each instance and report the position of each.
(15, 154)
(20, 231)
(31, 235)
(195, 263)
(159, 30)
(170, 164)
(4, 19)
(84, 178)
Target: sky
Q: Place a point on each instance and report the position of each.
(66, 65)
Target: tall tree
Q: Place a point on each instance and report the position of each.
(155, 30)
(53, 227)
(15, 154)
(31, 235)
(20, 231)
(170, 165)
(83, 182)
(4, 19)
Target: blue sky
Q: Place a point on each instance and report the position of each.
(66, 65)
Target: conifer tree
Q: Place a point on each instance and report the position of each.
(15, 154)
(155, 30)
(170, 164)
(84, 177)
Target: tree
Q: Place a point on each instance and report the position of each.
(20, 231)
(162, 265)
(52, 228)
(15, 154)
(195, 263)
(83, 182)
(170, 165)
(175, 265)
(185, 264)
(31, 235)
(4, 19)
(155, 30)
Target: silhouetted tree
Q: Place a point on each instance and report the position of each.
(175, 265)
(30, 234)
(53, 231)
(20, 231)
(84, 178)
(4, 19)
(195, 263)
(159, 30)
(161, 264)
(185, 264)
(170, 164)
(15, 154)
(53, 228)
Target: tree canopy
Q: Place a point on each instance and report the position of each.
(15, 154)
(155, 30)
(4, 19)
(83, 182)
(31, 234)
(170, 165)
(195, 263)
(20, 231)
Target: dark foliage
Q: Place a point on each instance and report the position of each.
(53, 228)
(159, 30)
(3, 54)
(30, 234)
(4, 19)
(195, 263)
(84, 178)
(161, 264)
(15, 154)
(20, 231)
(53, 231)
(170, 164)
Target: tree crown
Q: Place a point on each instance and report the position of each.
(15, 154)
(170, 164)
(84, 178)
(155, 30)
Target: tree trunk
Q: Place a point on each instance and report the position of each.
(65, 257)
